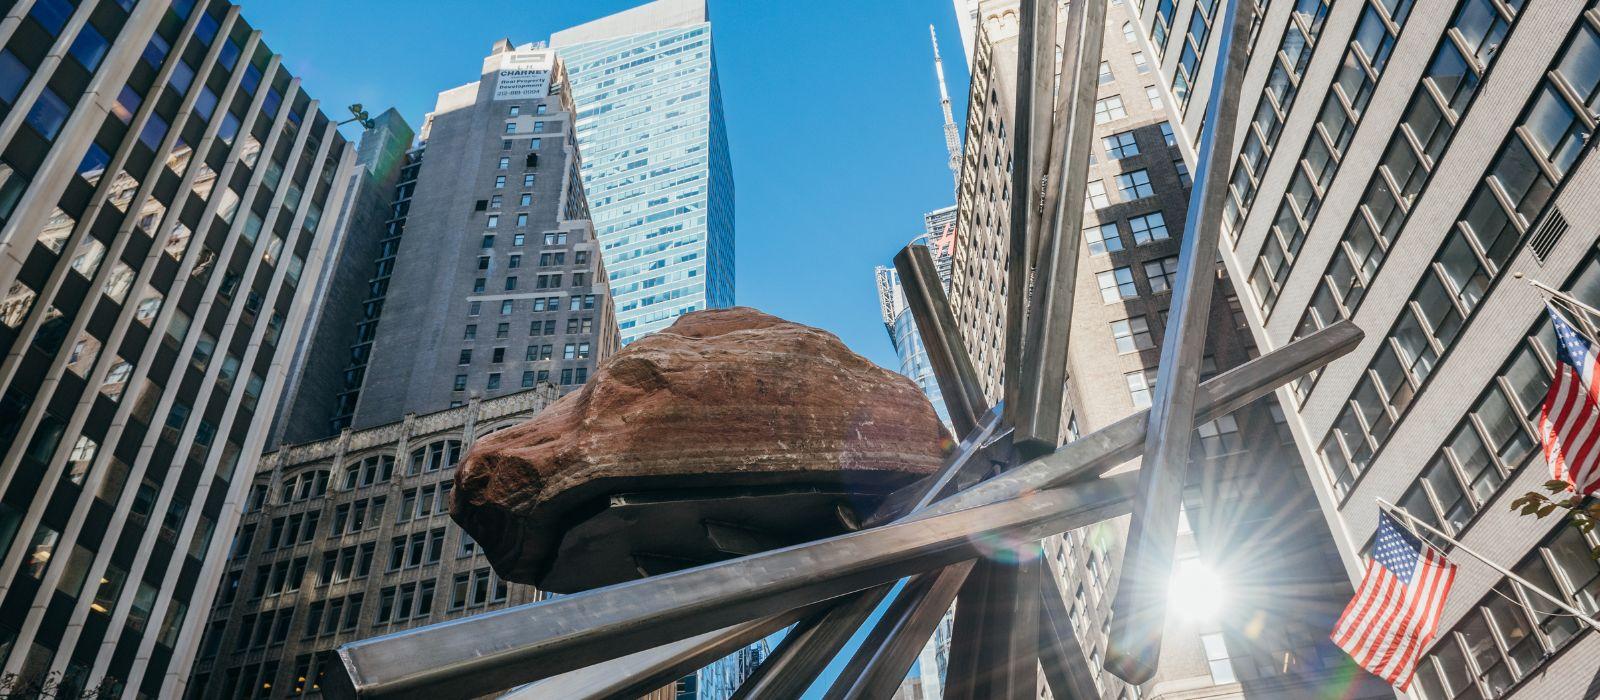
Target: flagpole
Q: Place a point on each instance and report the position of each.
(1559, 603)
(1589, 312)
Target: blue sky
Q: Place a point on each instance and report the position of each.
(832, 111)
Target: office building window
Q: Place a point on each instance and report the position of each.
(1132, 334)
(1119, 146)
(1134, 185)
(1117, 284)
(1108, 109)
(1162, 273)
(1102, 238)
(1148, 228)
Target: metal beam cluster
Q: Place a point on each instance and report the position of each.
(1009, 478)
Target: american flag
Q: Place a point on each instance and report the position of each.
(1568, 423)
(1395, 612)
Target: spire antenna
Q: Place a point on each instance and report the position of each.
(952, 137)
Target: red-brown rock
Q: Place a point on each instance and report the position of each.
(724, 399)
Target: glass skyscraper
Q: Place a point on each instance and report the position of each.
(655, 159)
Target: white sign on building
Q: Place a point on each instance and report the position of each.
(523, 75)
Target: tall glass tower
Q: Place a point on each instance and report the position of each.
(655, 159)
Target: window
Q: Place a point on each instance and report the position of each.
(511, 127)
(1127, 31)
(1134, 185)
(1147, 228)
(1095, 195)
(504, 164)
(1141, 385)
(1153, 94)
(1102, 238)
(1116, 284)
(1119, 146)
(527, 179)
(1219, 437)
(1132, 334)
(1162, 273)
(1105, 73)
(1217, 656)
(1183, 172)
(1167, 135)
(1140, 63)
(1108, 109)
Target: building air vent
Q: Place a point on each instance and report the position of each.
(1548, 234)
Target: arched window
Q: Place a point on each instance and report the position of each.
(371, 470)
(1127, 31)
(434, 456)
(308, 484)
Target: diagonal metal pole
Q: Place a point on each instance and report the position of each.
(639, 673)
(523, 644)
(883, 659)
(1066, 667)
(1042, 376)
(800, 658)
(1139, 610)
(936, 324)
(1031, 121)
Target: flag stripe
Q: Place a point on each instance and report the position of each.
(1395, 612)
(1569, 420)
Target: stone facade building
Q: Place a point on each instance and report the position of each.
(347, 538)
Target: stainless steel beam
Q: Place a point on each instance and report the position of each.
(1095, 453)
(639, 673)
(1008, 660)
(963, 674)
(1066, 667)
(1041, 374)
(1139, 610)
(880, 664)
(1030, 154)
(808, 648)
(519, 645)
(936, 324)
(792, 667)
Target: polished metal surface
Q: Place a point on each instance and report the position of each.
(930, 310)
(1139, 610)
(807, 649)
(881, 662)
(1053, 251)
(1031, 126)
(639, 673)
(510, 647)
(1066, 667)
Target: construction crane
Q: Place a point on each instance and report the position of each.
(952, 137)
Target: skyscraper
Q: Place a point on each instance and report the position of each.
(520, 299)
(655, 159)
(1249, 532)
(166, 197)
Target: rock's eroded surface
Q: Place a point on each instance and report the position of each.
(723, 398)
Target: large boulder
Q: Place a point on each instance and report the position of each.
(731, 421)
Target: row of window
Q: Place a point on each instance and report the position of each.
(1117, 283)
(569, 376)
(569, 351)
(1107, 237)
(535, 328)
(1520, 182)
(1300, 38)
(1363, 64)
(1426, 127)
(1510, 633)
(550, 281)
(576, 302)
